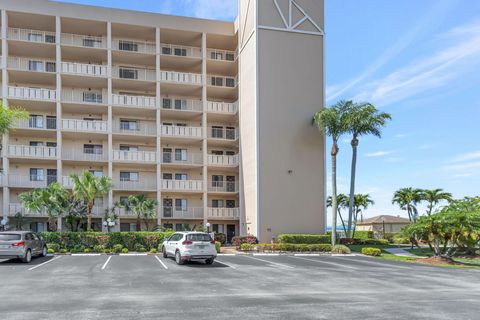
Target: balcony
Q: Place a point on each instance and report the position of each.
(40, 152)
(222, 160)
(182, 185)
(181, 77)
(180, 51)
(67, 182)
(30, 181)
(134, 101)
(180, 104)
(15, 208)
(182, 213)
(84, 154)
(182, 132)
(182, 159)
(221, 55)
(37, 122)
(222, 186)
(78, 40)
(222, 133)
(83, 96)
(84, 69)
(134, 46)
(135, 156)
(141, 185)
(31, 64)
(137, 128)
(133, 73)
(77, 125)
(223, 213)
(25, 93)
(222, 107)
(221, 81)
(36, 36)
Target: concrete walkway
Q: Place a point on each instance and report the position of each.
(401, 252)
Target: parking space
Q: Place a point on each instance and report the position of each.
(276, 286)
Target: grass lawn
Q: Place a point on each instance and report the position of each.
(358, 247)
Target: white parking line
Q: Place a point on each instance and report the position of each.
(106, 262)
(271, 262)
(226, 264)
(325, 262)
(375, 263)
(161, 262)
(41, 264)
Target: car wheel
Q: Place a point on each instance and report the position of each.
(209, 261)
(178, 258)
(28, 257)
(164, 251)
(44, 251)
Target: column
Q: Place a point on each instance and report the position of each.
(58, 34)
(110, 116)
(6, 190)
(158, 102)
(205, 128)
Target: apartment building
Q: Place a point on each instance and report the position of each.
(210, 118)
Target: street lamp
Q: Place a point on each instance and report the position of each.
(3, 223)
(109, 223)
(208, 227)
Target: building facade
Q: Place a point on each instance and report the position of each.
(210, 118)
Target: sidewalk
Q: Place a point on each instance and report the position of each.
(402, 253)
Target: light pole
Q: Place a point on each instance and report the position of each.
(108, 224)
(208, 227)
(3, 223)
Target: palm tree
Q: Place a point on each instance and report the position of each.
(52, 200)
(407, 199)
(332, 122)
(342, 203)
(111, 214)
(363, 119)
(9, 117)
(434, 197)
(87, 188)
(144, 208)
(361, 202)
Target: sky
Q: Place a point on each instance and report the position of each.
(417, 60)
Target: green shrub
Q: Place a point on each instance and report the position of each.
(340, 248)
(87, 250)
(356, 241)
(54, 246)
(390, 235)
(372, 252)
(160, 247)
(117, 248)
(237, 241)
(107, 251)
(50, 250)
(99, 248)
(139, 248)
(401, 239)
(287, 247)
(218, 244)
(62, 251)
(303, 238)
(221, 237)
(77, 249)
(246, 246)
(125, 250)
(364, 234)
(153, 250)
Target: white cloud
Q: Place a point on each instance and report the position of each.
(378, 154)
(467, 156)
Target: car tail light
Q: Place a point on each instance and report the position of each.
(18, 244)
(187, 242)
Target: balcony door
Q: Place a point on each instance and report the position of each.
(168, 208)
(230, 183)
(167, 155)
(51, 176)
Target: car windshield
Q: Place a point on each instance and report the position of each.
(199, 237)
(9, 237)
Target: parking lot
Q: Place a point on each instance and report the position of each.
(235, 287)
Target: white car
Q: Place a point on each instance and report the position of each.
(189, 246)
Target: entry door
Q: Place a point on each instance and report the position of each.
(230, 232)
(230, 183)
(167, 208)
(51, 176)
(167, 155)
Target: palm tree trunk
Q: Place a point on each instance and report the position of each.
(89, 216)
(343, 221)
(139, 223)
(352, 185)
(334, 192)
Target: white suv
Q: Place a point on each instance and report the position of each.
(188, 246)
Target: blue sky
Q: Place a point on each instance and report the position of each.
(418, 60)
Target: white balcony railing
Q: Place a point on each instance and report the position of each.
(142, 185)
(186, 159)
(78, 125)
(185, 213)
(22, 151)
(67, 182)
(134, 46)
(222, 160)
(181, 104)
(32, 93)
(85, 69)
(134, 101)
(221, 81)
(37, 122)
(222, 133)
(182, 185)
(133, 73)
(31, 64)
(222, 55)
(84, 154)
(180, 51)
(222, 107)
(223, 213)
(15, 208)
(222, 186)
(179, 131)
(135, 156)
(181, 77)
(84, 96)
(30, 181)
(78, 40)
(138, 128)
(31, 35)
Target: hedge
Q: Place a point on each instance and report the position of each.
(340, 248)
(238, 241)
(356, 241)
(304, 238)
(372, 251)
(79, 241)
(364, 234)
(286, 247)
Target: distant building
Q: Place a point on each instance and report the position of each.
(383, 223)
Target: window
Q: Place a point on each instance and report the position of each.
(180, 52)
(29, 237)
(167, 103)
(217, 152)
(181, 204)
(218, 228)
(93, 148)
(52, 144)
(92, 97)
(37, 174)
(181, 124)
(217, 181)
(128, 227)
(217, 203)
(128, 148)
(51, 122)
(167, 176)
(217, 81)
(180, 154)
(217, 132)
(180, 176)
(168, 226)
(124, 201)
(35, 37)
(203, 237)
(128, 176)
(50, 66)
(92, 43)
(181, 227)
(131, 125)
(166, 50)
(35, 121)
(230, 203)
(217, 55)
(49, 38)
(9, 237)
(128, 73)
(230, 82)
(96, 173)
(36, 144)
(180, 104)
(230, 57)
(34, 65)
(230, 133)
(127, 45)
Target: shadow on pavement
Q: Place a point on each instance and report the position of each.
(15, 262)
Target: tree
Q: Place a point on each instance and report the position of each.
(144, 208)
(75, 213)
(434, 197)
(332, 122)
(407, 199)
(87, 188)
(361, 202)
(9, 117)
(363, 119)
(342, 203)
(19, 221)
(50, 200)
(111, 215)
